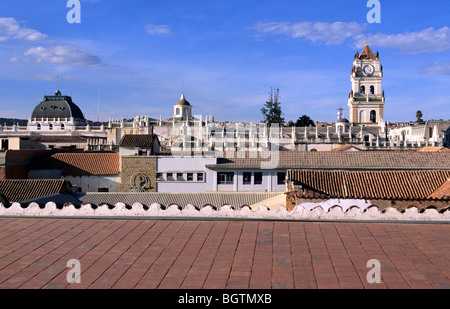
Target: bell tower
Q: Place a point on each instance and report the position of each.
(366, 99)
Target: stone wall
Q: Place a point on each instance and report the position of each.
(138, 173)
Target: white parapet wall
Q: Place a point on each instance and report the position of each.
(332, 213)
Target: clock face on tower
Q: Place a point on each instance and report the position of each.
(368, 69)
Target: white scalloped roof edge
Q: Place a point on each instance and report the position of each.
(262, 212)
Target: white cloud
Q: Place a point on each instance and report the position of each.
(428, 40)
(157, 29)
(330, 33)
(63, 54)
(12, 29)
(46, 77)
(437, 68)
(425, 41)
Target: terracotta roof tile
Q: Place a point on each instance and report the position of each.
(346, 147)
(443, 192)
(373, 184)
(346, 160)
(137, 140)
(83, 163)
(27, 189)
(432, 149)
(367, 53)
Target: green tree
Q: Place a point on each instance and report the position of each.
(304, 121)
(272, 109)
(419, 116)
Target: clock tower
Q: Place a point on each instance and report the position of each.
(366, 99)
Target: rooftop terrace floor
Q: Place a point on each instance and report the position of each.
(223, 254)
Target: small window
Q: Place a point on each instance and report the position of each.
(180, 177)
(200, 176)
(5, 144)
(190, 176)
(247, 178)
(372, 90)
(103, 190)
(159, 177)
(225, 178)
(258, 178)
(50, 126)
(362, 90)
(170, 177)
(280, 178)
(373, 116)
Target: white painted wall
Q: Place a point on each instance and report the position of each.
(86, 183)
(185, 165)
(269, 182)
(92, 183)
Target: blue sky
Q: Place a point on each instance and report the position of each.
(224, 55)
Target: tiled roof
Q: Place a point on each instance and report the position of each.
(347, 160)
(410, 185)
(82, 163)
(443, 192)
(433, 149)
(346, 148)
(27, 189)
(137, 140)
(367, 53)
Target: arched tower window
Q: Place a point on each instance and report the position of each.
(373, 116)
(362, 90)
(372, 90)
(178, 111)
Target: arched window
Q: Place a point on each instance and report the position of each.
(372, 90)
(362, 90)
(62, 126)
(38, 126)
(362, 116)
(50, 126)
(373, 116)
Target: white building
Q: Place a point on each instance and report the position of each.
(204, 174)
(431, 133)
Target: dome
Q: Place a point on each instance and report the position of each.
(57, 106)
(183, 101)
(343, 121)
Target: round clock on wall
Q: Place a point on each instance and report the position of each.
(368, 69)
